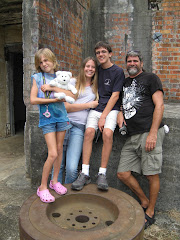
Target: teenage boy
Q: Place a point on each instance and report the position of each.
(104, 116)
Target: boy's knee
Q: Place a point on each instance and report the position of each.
(107, 134)
(89, 134)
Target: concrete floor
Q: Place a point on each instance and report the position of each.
(15, 189)
(14, 186)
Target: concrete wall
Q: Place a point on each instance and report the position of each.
(168, 198)
(125, 25)
(70, 29)
(58, 26)
(132, 25)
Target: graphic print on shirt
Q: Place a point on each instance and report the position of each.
(107, 82)
(132, 98)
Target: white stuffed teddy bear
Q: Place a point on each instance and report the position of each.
(62, 80)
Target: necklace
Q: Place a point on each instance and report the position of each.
(46, 113)
(49, 93)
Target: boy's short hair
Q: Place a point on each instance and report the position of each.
(105, 45)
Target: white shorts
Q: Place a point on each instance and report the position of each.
(94, 116)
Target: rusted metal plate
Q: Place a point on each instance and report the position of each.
(82, 212)
(89, 214)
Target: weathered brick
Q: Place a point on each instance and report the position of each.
(164, 72)
(61, 29)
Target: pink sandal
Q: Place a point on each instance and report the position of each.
(45, 196)
(58, 187)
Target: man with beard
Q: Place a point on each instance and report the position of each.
(142, 112)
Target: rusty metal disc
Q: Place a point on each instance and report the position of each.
(89, 214)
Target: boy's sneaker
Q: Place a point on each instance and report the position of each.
(102, 182)
(80, 182)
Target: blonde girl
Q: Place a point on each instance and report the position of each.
(53, 121)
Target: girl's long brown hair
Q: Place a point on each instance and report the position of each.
(81, 79)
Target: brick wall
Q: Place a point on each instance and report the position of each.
(61, 30)
(119, 39)
(166, 53)
(71, 28)
(110, 21)
(129, 27)
(57, 25)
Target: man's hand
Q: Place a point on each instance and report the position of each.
(151, 141)
(157, 98)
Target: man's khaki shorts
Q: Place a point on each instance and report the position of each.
(135, 158)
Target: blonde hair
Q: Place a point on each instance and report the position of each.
(46, 52)
(81, 79)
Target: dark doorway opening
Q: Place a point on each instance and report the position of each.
(17, 109)
(19, 106)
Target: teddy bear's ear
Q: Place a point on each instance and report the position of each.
(58, 73)
(70, 74)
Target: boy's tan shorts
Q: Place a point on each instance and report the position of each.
(135, 158)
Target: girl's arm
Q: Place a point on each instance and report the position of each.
(47, 87)
(35, 100)
(75, 107)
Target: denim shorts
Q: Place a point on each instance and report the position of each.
(56, 127)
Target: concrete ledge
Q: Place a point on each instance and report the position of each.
(170, 177)
(36, 153)
(35, 148)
